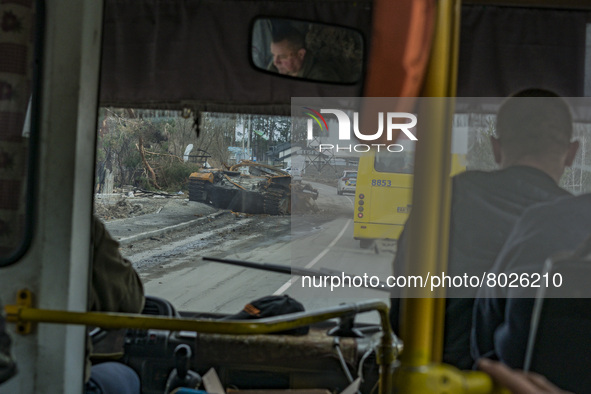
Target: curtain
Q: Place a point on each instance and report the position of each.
(16, 61)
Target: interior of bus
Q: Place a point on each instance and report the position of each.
(98, 98)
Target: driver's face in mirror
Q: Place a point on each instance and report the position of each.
(310, 51)
(288, 56)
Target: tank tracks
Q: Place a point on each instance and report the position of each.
(276, 202)
(198, 190)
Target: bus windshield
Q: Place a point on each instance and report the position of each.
(401, 163)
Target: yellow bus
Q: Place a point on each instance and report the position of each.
(383, 197)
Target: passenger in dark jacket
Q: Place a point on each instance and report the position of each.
(502, 315)
(533, 148)
(116, 287)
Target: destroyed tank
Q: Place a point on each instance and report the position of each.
(250, 187)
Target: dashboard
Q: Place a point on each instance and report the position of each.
(315, 360)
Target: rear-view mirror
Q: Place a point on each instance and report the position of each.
(311, 51)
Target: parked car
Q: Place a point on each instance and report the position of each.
(296, 173)
(347, 182)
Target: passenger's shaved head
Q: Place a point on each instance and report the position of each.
(534, 123)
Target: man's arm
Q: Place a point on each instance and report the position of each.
(516, 381)
(486, 318)
(116, 286)
(491, 331)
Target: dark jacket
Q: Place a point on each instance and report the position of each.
(485, 206)
(116, 286)
(502, 315)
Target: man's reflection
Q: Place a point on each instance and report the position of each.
(290, 57)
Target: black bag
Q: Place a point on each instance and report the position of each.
(270, 306)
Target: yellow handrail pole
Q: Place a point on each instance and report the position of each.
(19, 313)
(422, 314)
(439, 318)
(428, 232)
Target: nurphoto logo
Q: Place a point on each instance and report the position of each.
(391, 119)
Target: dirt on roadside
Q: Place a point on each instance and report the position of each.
(120, 207)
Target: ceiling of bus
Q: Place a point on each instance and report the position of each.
(507, 49)
(564, 4)
(196, 54)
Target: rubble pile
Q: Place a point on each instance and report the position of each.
(125, 207)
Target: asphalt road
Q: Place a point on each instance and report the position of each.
(166, 248)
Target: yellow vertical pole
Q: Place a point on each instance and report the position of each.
(439, 318)
(422, 315)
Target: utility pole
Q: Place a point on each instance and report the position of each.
(243, 135)
(249, 135)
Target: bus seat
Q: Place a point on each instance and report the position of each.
(560, 333)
